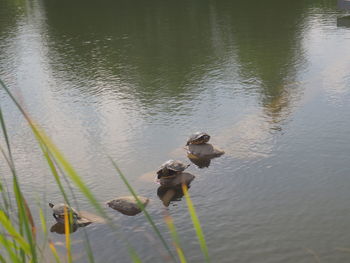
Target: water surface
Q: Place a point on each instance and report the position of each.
(269, 80)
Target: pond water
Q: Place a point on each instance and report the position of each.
(268, 80)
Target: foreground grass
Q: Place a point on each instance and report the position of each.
(18, 231)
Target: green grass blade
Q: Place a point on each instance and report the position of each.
(2, 259)
(68, 168)
(135, 258)
(43, 221)
(54, 172)
(54, 252)
(62, 163)
(7, 200)
(13, 232)
(4, 131)
(24, 218)
(169, 221)
(139, 203)
(9, 248)
(196, 223)
(24, 214)
(88, 248)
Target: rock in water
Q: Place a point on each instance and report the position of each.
(176, 181)
(90, 217)
(204, 150)
(127, 205)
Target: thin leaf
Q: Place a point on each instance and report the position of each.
(67, 224)
(196, 223)
(22, 213)
(169, 221)
(54, 171)
(59, 159)
(139, 203)
(54, 252)
(23, 218)
(43, 221)
(10, 248)
(30, 218)
(13, 232)
(135, 258)
(2, 259)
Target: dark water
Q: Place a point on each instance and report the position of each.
(269, 80)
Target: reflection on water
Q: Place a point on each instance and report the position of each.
(60, 228)
(343, 21)
(169, 195)
(268, 79)
(344, 4)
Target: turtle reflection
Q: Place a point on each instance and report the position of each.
(59, 228)
(170, 194)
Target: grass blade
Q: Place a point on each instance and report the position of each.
(23, 210)
(30, 218)
(54, 156)
(135, 258)
(43, 221)
(2, 259)
(54, 252)
(67, 225)
(13, 232)
(196, 223)
(9, 247)
(23, 218)
(54, 172)
(139, 203)
(68, 168)
(169, 221)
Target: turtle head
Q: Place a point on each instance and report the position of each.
(51, 205)
(205, 138)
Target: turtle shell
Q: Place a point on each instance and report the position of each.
(198, 138)
(58, 210)
(170, 168)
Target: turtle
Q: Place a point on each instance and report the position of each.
(171, 168)
(58, 212)
(198, 138)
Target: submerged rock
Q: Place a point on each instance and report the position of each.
(88, 217)
(168, 195)
(177, 180)
(127, 205)
(199, 162)
(205, 150)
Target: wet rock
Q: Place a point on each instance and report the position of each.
(205, 150)
(127, 205)
(177, 181)
(88, 217)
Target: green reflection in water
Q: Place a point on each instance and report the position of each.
(161, 51)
